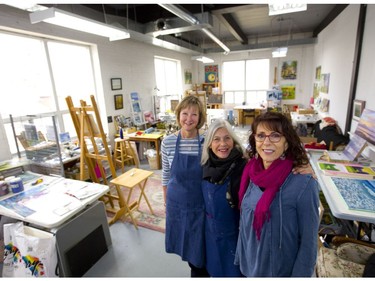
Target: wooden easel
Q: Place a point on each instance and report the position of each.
(88, 125)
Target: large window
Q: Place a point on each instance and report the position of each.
(245, 82)
(36, 75)
(168, 83)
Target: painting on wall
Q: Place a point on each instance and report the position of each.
(211, 73)
(289, 70)
(358, 107)
(316, 90)
(188, 76)
(318, 72)
(149, 116)
(289, 92)
(324, 105)
(366, 126)
(119, 102)
(325, 83)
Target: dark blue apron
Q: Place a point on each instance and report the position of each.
(184, 233)
(221, 231)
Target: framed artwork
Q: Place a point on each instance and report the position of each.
(366, 126)
(289, 70)
(188, 76)
(116, 84)
(288, 92)
(119, 102)
(149, 116)
(211, 73)
(318, 72)
(358, 107)
(325, 80)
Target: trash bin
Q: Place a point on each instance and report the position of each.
(152, 159)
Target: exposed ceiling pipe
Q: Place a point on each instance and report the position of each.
(193, 20)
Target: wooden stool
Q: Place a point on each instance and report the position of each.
(124, 153)
(131, 179)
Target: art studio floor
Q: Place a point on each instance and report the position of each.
(141, 253)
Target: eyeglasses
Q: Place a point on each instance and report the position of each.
(273, 137)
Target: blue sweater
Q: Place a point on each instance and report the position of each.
(288, 243)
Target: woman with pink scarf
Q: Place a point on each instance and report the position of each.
(279, 209)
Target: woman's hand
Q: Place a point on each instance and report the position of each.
(304, 169)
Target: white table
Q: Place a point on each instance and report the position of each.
(80, 225)
(334, 199)
(52, 205)
(304, 118)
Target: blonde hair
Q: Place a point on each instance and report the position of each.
(189, 101)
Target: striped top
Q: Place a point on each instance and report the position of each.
(168, 147)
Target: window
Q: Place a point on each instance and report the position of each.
(168, 83)
(245, 81)
(36, 75)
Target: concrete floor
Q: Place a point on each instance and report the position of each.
(137, 253)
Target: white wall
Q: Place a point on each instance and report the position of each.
(366, 77)
(127, 59)
(133, 62)
(335, 54)
(302, 54)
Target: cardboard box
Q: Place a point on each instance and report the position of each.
(305, 111)
(308, 139)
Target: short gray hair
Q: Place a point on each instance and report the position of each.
(216, 125)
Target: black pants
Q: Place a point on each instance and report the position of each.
(198, 272)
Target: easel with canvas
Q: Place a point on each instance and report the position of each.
(88, 125)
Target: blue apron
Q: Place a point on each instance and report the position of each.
(184, 232)
(221, 231)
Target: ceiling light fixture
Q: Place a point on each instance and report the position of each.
(285, 8)
(73, 21)
(194, 21)
(203, 59)
(280, 52)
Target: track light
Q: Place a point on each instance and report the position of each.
(279, 52)
(203, 59)
(76, 22)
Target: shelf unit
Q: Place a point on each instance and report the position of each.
(38, 135)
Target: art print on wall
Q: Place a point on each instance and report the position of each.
(316, 90)
(289, 70)
(358, 107)
(188, 76)
(289, 92)
(116, 84)
(211, 73)
(324, 105)
(119, 102)
(318, 72)
(325, 83)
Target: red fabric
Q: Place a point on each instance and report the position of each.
(270, 179)
(314, 145)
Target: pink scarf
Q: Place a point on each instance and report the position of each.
(270, 179)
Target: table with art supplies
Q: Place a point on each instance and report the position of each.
(67, 208)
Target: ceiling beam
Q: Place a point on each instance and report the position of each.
(233, 27)
(329, 18)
